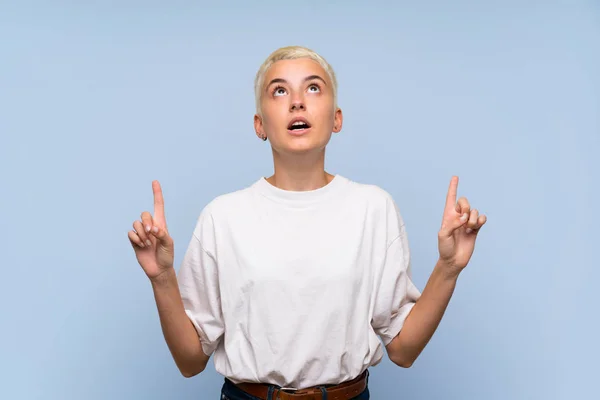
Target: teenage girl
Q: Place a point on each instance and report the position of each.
(297, 282)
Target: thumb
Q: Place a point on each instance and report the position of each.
(161, 234)
(453, 223)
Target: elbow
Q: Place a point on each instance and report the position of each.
(399, 355)
(192, 365)
(190, 372)
(402, 361)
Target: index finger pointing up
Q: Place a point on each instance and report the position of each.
(451, 197)
(159, 205)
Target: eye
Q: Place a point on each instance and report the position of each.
(316, 88)
(278, 91)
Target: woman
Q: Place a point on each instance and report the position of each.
(293, 281)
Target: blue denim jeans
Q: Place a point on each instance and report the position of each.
(232, 392)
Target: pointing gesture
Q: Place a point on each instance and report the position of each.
(150, 238)
(460, 226)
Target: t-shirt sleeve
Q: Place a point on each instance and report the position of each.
(199, 286)
(395, 291)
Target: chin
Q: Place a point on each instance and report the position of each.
(301, 145)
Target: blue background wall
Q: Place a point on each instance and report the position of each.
(99, 99)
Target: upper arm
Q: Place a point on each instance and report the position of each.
(199, 286)
(395, 291)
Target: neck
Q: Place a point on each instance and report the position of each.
(299, 172)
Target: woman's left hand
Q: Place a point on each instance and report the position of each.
(460, 226)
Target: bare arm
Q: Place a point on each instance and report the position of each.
(456, 243)
(154, 250)
(179, 332)
(423, 320)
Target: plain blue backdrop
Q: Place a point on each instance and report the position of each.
(97, 99)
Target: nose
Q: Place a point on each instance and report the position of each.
(297, 105)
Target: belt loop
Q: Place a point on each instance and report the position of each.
(270, 392)
(323, 393)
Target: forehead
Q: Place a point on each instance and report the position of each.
(295, 70)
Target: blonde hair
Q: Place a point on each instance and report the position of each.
(291, 53)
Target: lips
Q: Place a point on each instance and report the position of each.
(298, 124)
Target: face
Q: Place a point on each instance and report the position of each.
(298, 114)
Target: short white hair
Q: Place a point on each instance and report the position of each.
(290, 53)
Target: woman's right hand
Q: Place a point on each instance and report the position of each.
(150, 238)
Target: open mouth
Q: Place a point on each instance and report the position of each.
(298, 124)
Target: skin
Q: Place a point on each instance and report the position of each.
(154, 250)
(456, 242)
(302, 88)
(298, 88)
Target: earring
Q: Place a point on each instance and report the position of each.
(264, 138)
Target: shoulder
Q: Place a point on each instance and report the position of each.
(380, 206)
(222, 206)
(227, 202)
(373, 195)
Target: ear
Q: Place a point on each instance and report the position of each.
(338, 120)
(258, 126)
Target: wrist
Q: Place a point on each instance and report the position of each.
(163, 278)
(447, 270)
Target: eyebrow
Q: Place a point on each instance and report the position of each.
(308, 78)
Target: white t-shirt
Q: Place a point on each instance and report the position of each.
(296, 288)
